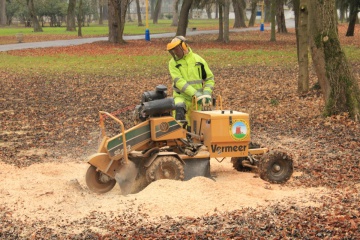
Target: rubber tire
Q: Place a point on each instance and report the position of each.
(237, 164)
(237, 161)
(163, 166)
(274, 159)
(95, 184)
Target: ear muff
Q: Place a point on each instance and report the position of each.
(184, 46)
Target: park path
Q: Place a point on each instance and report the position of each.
(79, 41)
(290, 23)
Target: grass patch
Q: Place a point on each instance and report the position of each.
(352, 53)
(262, 57)
(108, 65)
(131, 28)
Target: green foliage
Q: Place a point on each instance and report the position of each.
(274, 102)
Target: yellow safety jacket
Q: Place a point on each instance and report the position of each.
(191, 74)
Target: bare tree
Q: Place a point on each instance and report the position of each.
(267, 11)
(70, 23)
(221, 21)
(157, 11)
(117, 14)
(239, 6)
(175, 18)
(253, 13)
(138, 13)
(183, 19)
(226, 20)
(129, 19)
(80, 18)
(339, 86)
(34, 19)
(273, 7)
(3, 12)
(303, 46)
(354, 10)
(208, 9)
(280, 17)
(101, 12)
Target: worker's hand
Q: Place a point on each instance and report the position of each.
(207, 98)
(198, 97)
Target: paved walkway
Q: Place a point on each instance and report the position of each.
(290, 23)
(61, 43)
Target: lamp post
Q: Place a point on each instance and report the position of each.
(262, 17)
(147, 31)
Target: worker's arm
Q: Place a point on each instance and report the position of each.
(180, 84)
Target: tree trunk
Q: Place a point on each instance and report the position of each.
(80, 18)
(267, 9)
(239, 14)
(183, 19)
(253, 13)
(303, 48)
(273, 7)
(175, 18)
(296, 9)
(70, 22)
(280, 17)
(117, 14)
(2, 12)
(138, 13)
(34, 19)
(208, 10)
(217, 9)
(221, 22)
(338, 83)
(129, 19)
(354, 5)
(342, 10)
(226, 21)
(100, 13)
(157, 11)
(152, 7)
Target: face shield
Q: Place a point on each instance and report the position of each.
(177, 52)
(177, 48)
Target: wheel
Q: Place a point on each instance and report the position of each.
(238, 164)
(238, 161)
(276, 167)
(97, 181)
(165, 167)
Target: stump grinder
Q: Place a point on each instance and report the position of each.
(160, 147)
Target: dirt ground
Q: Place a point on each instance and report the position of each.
(48, 131)
(56, 193)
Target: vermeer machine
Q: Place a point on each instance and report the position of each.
(160, 147)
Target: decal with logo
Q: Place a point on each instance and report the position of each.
(239, 130)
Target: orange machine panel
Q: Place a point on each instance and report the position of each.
(226, 133)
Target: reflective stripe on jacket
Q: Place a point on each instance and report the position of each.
(191, 74)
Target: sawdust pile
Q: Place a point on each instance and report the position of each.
(54, 193)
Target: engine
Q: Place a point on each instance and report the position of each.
(154, 104)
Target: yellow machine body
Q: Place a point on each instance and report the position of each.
(225, 133)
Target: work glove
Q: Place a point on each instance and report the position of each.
(207, 98)
(198, 95)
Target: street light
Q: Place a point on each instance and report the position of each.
(262, 17)
(147, 31)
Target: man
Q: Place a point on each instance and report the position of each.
(191, 77)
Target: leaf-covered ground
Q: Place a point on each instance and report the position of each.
(49, 118)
